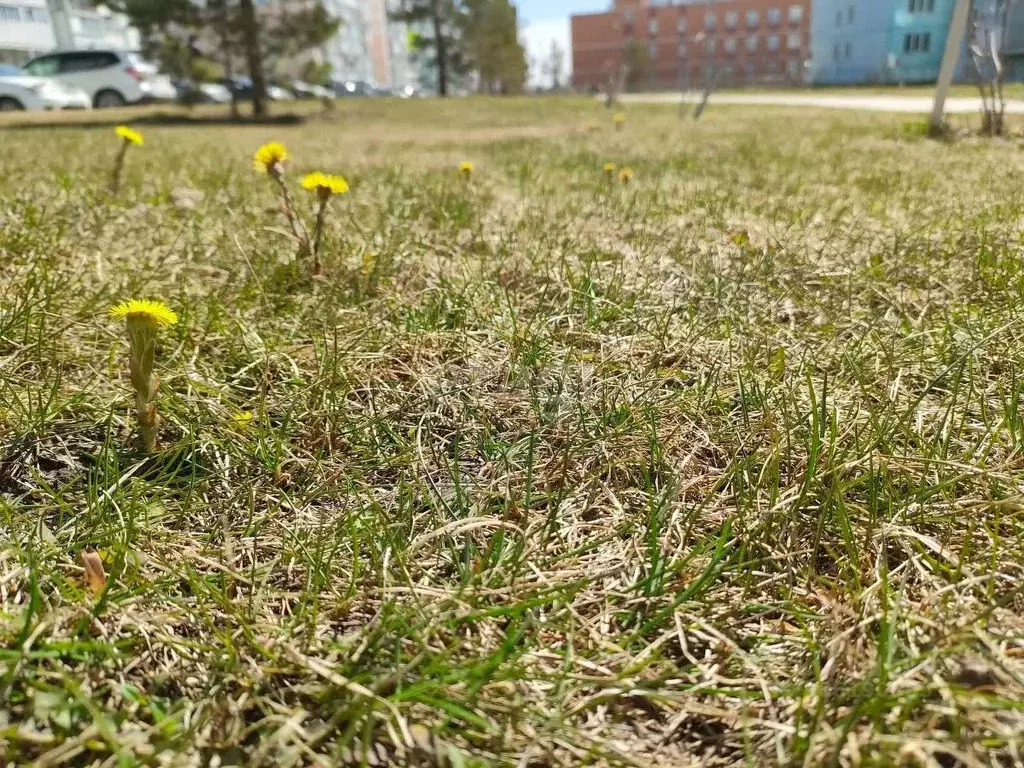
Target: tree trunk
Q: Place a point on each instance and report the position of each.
(227, 49)
(254, 55)
(442, 49)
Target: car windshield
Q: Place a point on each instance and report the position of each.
(9, 70)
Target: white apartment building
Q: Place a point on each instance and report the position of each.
(348, 52)
(369, 46)
(26, 29)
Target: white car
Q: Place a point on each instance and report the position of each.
(110, 78)
(22, 91)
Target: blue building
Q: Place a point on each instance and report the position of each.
(878, 41)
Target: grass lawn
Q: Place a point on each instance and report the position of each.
(718, 467)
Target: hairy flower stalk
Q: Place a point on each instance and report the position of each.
(143, 319)
(128, 137)
(270, 159)
(324, 185)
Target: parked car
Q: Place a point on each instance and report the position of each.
(241, 87)
(304, 90)
(352, 88)
(201, 93)
(110, 78)
(19, 90)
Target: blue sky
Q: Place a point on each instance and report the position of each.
(542, 10)
(545, 21)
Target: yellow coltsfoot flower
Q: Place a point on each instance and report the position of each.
(466, 169)
(144, 310)
(242, 420)
(129, 135)
(325, 184)
(619, 119)
(626, 175)
(609, 169)
(143, 318)
(270, 158)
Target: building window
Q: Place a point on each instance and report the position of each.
(630, 17)
(681, 24)
(793, 67)
(839, 18)
(730, 45)
(652, 26)
(835, 52)
(773, 42)
(37, 14)
(90, 27)
(731, 19)
(921, 6)
(796, 12)
(653, 51)
(793, 41)
(710, 46)
(917, 42)
(681, 50)
(849, 14)
(752, 43)
(710, 20)
(10, 13)
(849, 49)
(774, 16)
(753, 17)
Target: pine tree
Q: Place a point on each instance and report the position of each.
(491, 39)
(444, 20)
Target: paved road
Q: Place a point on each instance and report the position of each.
(878, 103)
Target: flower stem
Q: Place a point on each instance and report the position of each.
(321, 214)
(142, 338)
(298, 228)
(115, 178)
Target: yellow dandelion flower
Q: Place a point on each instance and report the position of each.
(626, 175)
(130, 136)
(325, 183)
(609, 168)
(269, 156)
(153, 312)
(466, 168)
(619, 117)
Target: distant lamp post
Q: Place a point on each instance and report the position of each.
(957, 26)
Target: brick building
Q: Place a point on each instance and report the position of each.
(673, 43)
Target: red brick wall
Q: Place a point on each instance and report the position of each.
(599, 42)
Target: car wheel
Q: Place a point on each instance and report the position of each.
(7, 104)
(105, 99)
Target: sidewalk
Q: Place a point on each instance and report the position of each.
(918, 104)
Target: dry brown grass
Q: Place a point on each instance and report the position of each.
(720, 468)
